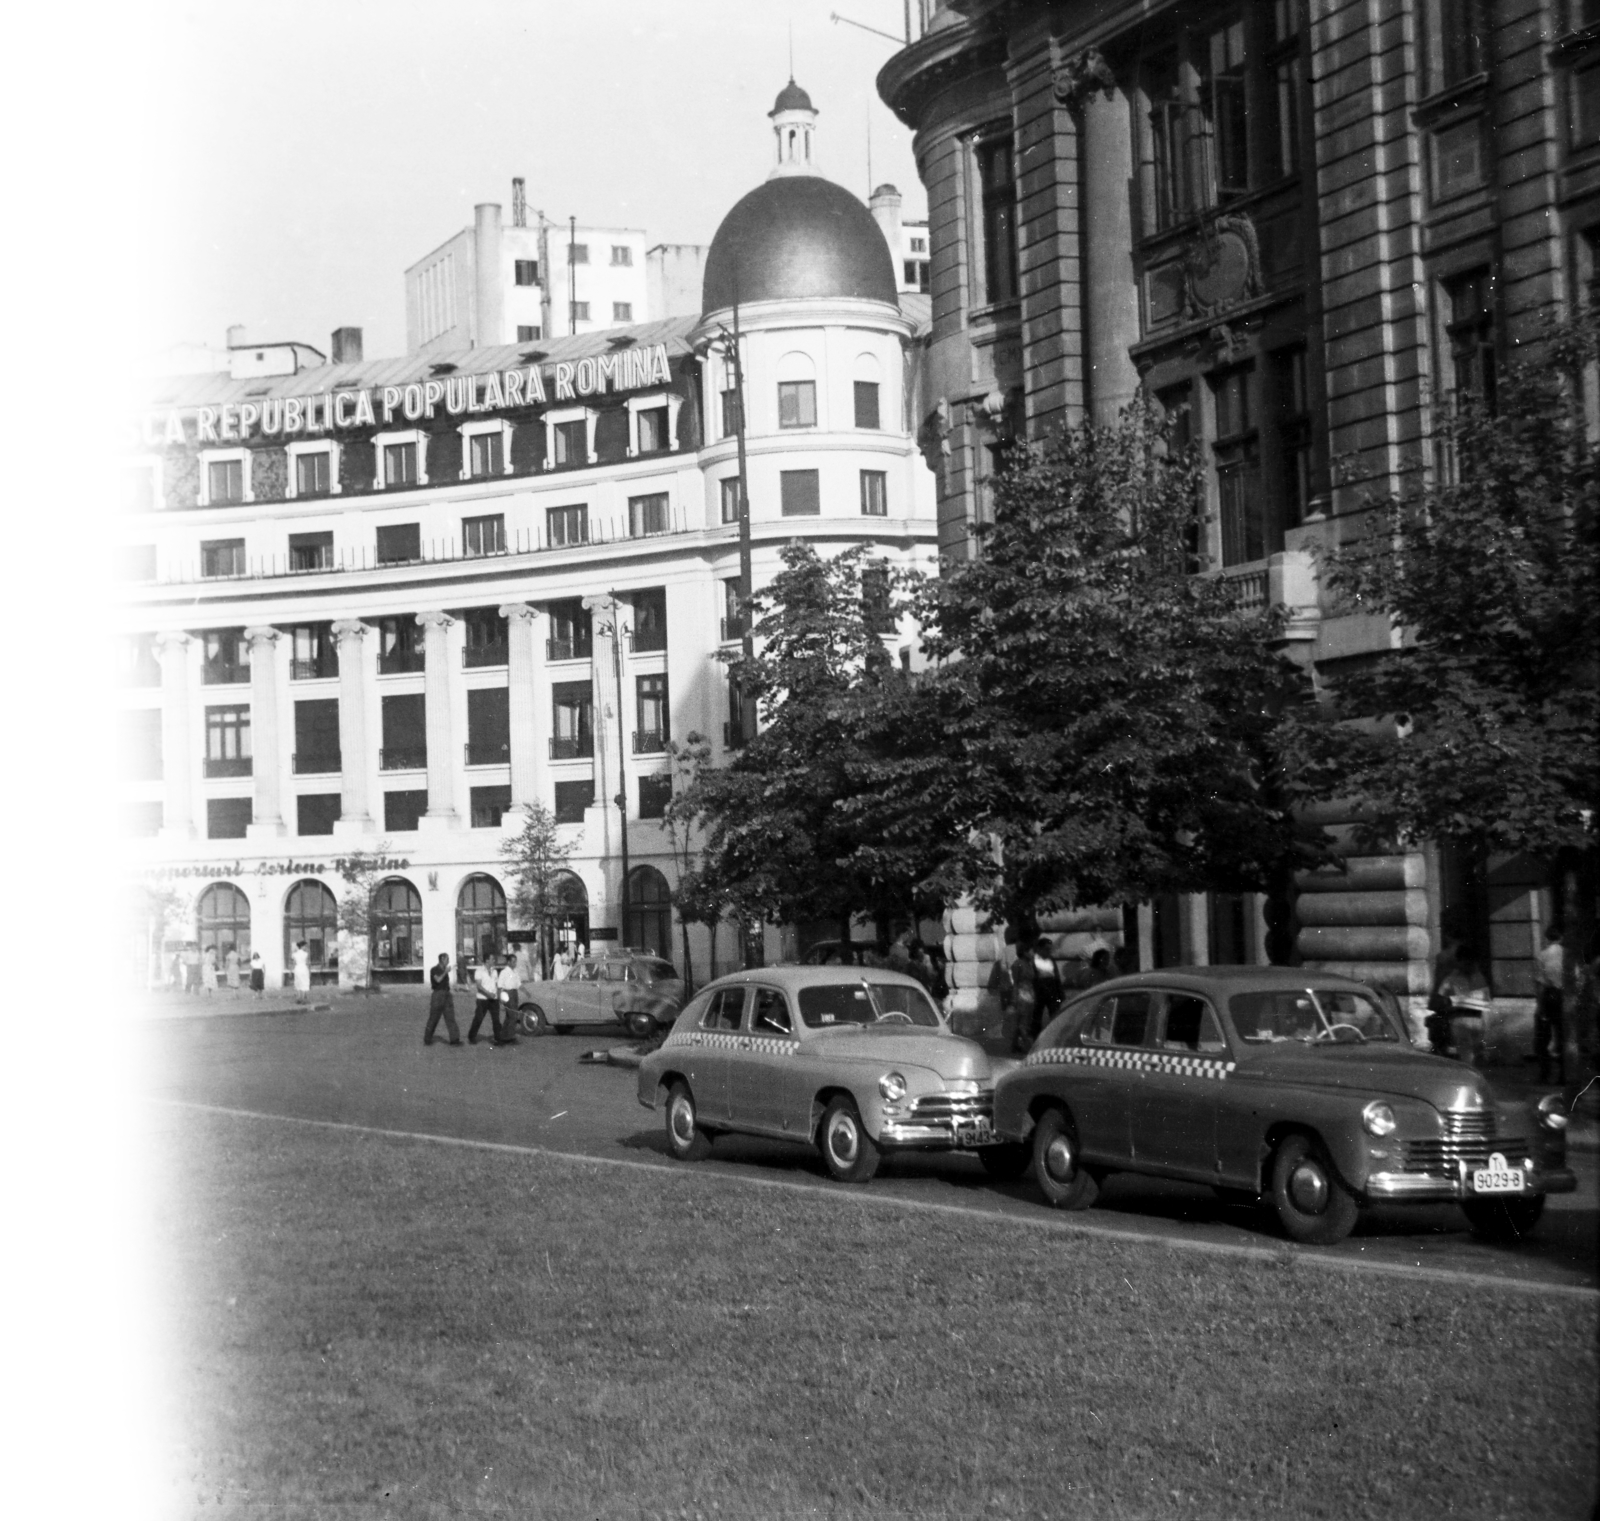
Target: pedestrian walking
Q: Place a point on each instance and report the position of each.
(1038, 969)
(562, 964)
(486, 989)
(1550, 973)
(258, 974)
(230, 964)
(442, 1004)
(302, 973)
(208, 970)
(508, 986)
(191, 968)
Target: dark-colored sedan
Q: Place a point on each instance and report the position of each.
(1280, 1083)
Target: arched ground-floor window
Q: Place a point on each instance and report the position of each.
(311, 914)
(649, 926)
(395, 926)
(222, 921)
(480, 921)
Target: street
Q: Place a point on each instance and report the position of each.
(362, 1063)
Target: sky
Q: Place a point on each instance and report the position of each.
(293, 158)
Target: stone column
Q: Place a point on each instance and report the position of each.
(599, 824)
(439, 688)
(264, 743)
(522, 665)
(355, 814)
(177, 743)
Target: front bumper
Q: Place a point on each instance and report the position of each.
(940, 1122)
(1427, 1188)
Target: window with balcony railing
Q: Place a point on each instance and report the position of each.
(222, 557)
(405, 732)
(313, 652)
(572, 732)
(327, 763)
(566, 525)
(488, 726)
(571, 631)
(310, 551)
(652, 714)
(403, 758)
(225, 658)
(483, 536)
(400, 646)
(228, 741)
(649, 621)
(487, 753)
(648, 515)
(485, 642)
(316, 736)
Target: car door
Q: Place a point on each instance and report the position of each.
(617, 992)
(715, 1041)
(760, 1062)
(1173, 1116)
(1103, 1071)
(577, 996)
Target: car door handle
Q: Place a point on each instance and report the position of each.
(744, 1045)
(694, 1040)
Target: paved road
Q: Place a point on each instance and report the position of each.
(363, 1063)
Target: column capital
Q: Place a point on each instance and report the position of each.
(349, 628)
(174, 639)
(435, 618)
(520, 612)
(1078, 77)
(262, 633)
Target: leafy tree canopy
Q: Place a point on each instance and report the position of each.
(536, 862)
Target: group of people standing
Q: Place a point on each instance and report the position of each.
(495, 984)
(1031, 989)
(195, 971)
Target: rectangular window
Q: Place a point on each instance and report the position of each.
(867, 404)
(1224, 120)
(316, 812)
(1469, 333)
(1457, 158)
(580, 311)
(655, 793)
(1237, 454)
(488, 726)
(741, 722)
(489, 806)
(228, 818)
(400, 464)
(141, 744)
(578, 253)
(1584, 106)
(222, 557)
(311, 551)
(401, 649)
(228, 741)
(313, 652)
(225, 658)
(730, 412)
(998, 195)
(572, 729)
(136, 562)
(399, 544)
(405, 732)
(527, 333)
(621, 255)
(1294, 434)
(733, 620)
(647, 515)
(483, 536)
(139, 488)
(527, 272)
(622, 311)
(571, 631)
(312, 476)
(653, 714)
(571, 800)
(316, 736)
(572, 443)
(566, 525)
(1283, 127)
(653, 437)
(728, 489)
(800, 493)
(874, 494)
(649, 620)
(484, 638)
(487, 454)
(225, 482)
(876, 607)
(1456, 32)
(797, 403)
(402, 810)
(140, 665)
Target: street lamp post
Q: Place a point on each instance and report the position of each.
(618, 630)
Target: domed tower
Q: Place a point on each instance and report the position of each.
(794, 123)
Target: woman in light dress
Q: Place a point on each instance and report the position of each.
(302, 973)
(208, 970)
(231, 966)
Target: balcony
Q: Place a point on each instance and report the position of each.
(322, 668)
(404, 758)
(572, 747)
(647, 641)
(214, 673)
(487, 755)
(649, 741)
(328, 763)
(402, 662)
(568, 649)
(475, 656)
(228, 765)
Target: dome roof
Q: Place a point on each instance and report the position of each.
(798, 236)
(791, 98)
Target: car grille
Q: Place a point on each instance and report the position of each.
(1468, 1137)
(954, 1106)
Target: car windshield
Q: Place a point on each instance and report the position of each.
(656, 971)
(859, 1002)
(1311, 1014)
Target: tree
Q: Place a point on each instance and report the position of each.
(778, 843)
(536, 861)
(693, 905)
(1101, 723)
(1481, 728)
(361, 873)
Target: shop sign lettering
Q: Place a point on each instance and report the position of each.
(338, 866)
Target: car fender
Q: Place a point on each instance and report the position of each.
(1333, 1118)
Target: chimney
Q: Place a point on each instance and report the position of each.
(235, 338)
(486, 275)
(885, 208)
(519, 204)
(347, 345)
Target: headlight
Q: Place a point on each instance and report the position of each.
(892, 1086)
(1378, 1118)
(1552, 1112)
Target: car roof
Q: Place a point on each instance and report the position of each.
(1228, 979)
(815, 976)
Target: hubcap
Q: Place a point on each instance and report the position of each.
(682, 1123)
(1308, 1188)
(1058, 1159)
(842, 1140)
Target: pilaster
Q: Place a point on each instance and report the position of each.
(265, 746)
(177, 760)
(355, 812)
(523, 665)
(437, 685)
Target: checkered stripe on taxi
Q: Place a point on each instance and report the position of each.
(731, 1040)
(1147, 1061)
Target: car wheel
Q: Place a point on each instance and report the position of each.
(1006, 1162)
(1057, 1168)
(850, 1153)
(533, 1020)
(1312, 1205)
(1502, 1219)
(685, 1139)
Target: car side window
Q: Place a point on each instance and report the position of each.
(1189, 1024)
(771, 1016)
(584, 971)
(725, 1010)
(1120, 1020)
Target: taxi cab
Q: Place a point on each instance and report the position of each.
(1277, 1083)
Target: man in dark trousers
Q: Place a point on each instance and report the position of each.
(441, 1005)
(486, 987)
(1038, 970)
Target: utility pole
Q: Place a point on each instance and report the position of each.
(618, 633)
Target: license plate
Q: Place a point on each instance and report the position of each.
(973, 1133)
(1497, 1178)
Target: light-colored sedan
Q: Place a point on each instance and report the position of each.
(639, 992)
(853, 1060)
